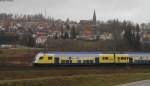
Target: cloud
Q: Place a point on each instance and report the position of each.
(134, 10)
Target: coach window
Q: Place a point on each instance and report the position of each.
(127, 58)
(79, 61)
(121, 58)
(91, 61)
(41, 58)
(84, 61)
(63, 61)
(105, 58)
(88, 61)
(141, 57)
(49, 58)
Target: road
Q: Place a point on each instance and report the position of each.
(137, 83)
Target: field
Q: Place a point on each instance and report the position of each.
(17, 56)
(16, 70)
(68, 76)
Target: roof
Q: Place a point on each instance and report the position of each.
(97, 52)
(74, 52)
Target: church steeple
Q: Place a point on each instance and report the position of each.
(94, 18)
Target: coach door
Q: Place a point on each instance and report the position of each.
(97, 60)
(130, 60)
(56, 60)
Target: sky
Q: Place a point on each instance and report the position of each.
(137, 11)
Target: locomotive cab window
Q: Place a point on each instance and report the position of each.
(40, 58)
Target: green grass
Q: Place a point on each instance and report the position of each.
(79, 80)
(72, 77)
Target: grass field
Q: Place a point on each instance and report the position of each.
(17, 56)
(72, 77)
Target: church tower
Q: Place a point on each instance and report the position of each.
(94, 18)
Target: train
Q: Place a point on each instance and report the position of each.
(91, 58)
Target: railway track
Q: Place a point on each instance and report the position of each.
(104, 67)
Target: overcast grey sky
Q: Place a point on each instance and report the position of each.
(134, 10)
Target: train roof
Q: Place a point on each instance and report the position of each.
(73, 52)
(132, 52)
(97, 52)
